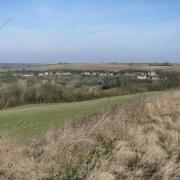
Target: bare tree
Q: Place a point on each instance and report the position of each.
(5, 23)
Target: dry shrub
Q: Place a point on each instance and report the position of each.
(138, 141)
(102, 176)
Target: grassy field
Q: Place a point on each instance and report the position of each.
(30, 121)
(137, 141)
(105, 67)
(95, 67)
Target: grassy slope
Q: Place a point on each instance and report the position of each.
(31, 120)
(109, 67)
(138, 141)
(91, 67)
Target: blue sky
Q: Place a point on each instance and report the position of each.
(93, 31)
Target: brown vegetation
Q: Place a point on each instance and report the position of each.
(138, 141)
(107, 67)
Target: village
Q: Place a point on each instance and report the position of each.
(140, 75)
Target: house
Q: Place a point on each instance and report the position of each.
(86, 73)
(153, 76)
(40, 74)
(59, 74)
(142, 77)
(28, 75)
(67, 74)
(94, 74)
(127, 74)
(111, 74)
(46, 74)
(102, 74)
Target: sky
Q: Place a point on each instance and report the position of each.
(89, 31)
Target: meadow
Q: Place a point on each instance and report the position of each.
(138, 138)
(106, 67)
(31, 121)
(93, 67)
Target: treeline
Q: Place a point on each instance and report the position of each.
(166, 80)
(25, 91)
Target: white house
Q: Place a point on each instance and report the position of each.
(87, 73)
(28, 75)
(142, 77)
(46, 73)
(40, 74)
(67, 74)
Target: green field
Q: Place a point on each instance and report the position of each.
(31, 121)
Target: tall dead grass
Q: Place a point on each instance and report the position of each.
(138, 141)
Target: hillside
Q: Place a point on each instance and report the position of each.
(137, 140)
(87, 67)
(30, 121)
(104, 67)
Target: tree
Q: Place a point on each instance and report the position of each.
(5, 23)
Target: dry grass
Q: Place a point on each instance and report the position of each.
(106, 67)
(139, 141)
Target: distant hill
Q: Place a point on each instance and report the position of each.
(19, 65)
